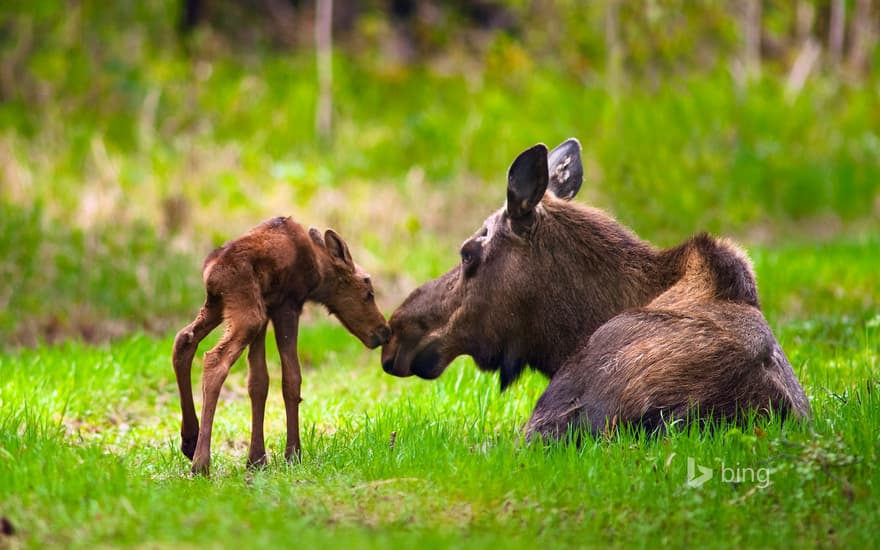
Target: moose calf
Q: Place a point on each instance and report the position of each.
(627, 333)
(267, 274)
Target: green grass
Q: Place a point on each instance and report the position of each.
(88, 448)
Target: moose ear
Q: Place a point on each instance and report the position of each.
(337, 247)
(566, 169)
(527, 180)
(316, 237)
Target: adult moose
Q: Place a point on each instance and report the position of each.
(627, 333)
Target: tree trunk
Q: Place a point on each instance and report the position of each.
(324, 50)
(863, 37)
(752, 37)
(612, 45)
(806, 16)
(810, 50)
(836, 28)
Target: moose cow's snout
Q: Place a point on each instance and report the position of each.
(389, 357)
(389, 352)
(388, 364)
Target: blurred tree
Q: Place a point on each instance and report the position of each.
(612, 43)
(634, 39)
(863, 36)
(836, 27)
(323, 47)
(751, 24)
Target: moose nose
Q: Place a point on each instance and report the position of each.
(389, 353)
(388, 365)
(381, 336)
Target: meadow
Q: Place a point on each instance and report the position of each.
(89, 452)
(124, 158)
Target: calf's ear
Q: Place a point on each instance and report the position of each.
(566, 169)
(527, 179)
(337, 247)
(316, 237)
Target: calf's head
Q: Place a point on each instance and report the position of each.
(347, 292)
(509, 284)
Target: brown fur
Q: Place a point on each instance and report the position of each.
(267, 274)
(622, 329)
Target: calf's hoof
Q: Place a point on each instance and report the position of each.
(188, 446)
(256, 462)
(201, 467)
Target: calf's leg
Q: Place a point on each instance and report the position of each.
(258, 389)
(286, 322)
(185, 345)
(242, 328)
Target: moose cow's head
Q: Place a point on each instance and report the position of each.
(532, 281)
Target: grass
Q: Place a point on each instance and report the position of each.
(88, 447)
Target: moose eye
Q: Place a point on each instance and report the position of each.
(470, 257)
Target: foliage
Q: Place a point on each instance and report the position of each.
(60, 280)
(126, 155)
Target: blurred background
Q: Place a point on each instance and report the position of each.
(135, 136)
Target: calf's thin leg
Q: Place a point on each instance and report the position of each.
(286, 322)
(241, 329)
(185, 345)
(258, 389)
